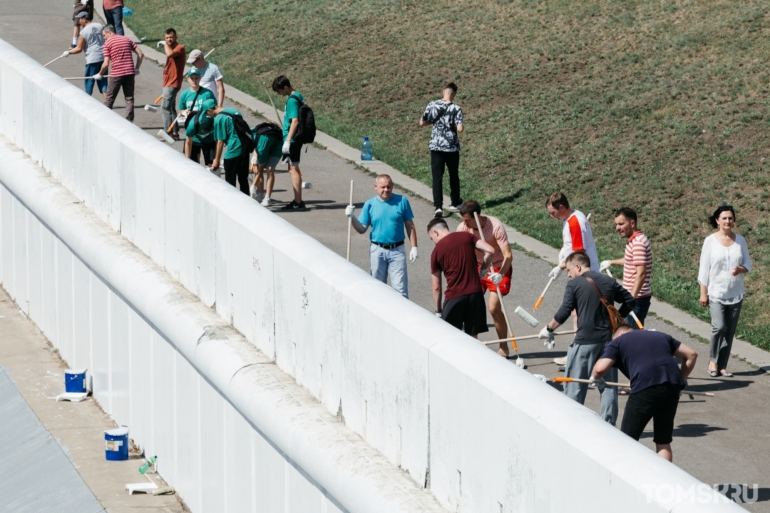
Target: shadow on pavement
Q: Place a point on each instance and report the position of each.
(719, 385)
(689, 431)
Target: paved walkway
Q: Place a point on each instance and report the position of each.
(716, 440)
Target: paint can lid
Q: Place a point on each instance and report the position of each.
(119, 431)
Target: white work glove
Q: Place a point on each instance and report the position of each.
(495, 278)
(286, 146)
(413, 254)
(253, 191)
(350, 210)
(98, 76)
(161, 44)
(549, 342)
(555, 272)
(66, 53)
(604, 266)
(136, 71)
(599, 382)
(253, 160)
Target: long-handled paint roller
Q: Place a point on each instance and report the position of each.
(528, 318)
(83, 78)
(51, 62)
(350, 220)
(560, 379)
(519, 359)
(273, 104)
(528, 337)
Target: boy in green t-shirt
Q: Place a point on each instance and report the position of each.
(266, 157)
(235, 160)
(198, 135)
(291, 149)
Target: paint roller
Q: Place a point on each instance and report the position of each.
(519, 360)
(528, 337)
(560, 379)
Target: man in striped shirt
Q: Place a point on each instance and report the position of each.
(637, 263)
(119, 59)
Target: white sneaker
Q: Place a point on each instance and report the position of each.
(438, 213)
(267, 201)
(560, 361)
(455, 209)
(260, 196)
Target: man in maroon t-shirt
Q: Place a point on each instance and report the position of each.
(455, 256)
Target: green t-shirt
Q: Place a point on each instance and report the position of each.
(224, 130)
(187, 96)
(292, 111)
(202, 134)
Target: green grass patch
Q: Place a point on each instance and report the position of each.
(658, 105)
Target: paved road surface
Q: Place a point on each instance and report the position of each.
(720, 440)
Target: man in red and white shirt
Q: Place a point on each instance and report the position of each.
(494, 235)
(576, 232)
(637, 263)
(119, 59)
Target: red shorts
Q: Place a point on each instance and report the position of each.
(505, 284)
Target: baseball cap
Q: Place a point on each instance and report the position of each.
(208, 104)
(193, 71)
(194, 56)
(81, 14)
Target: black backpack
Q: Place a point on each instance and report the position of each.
(267, 129)
(243, 132)
(306, 128)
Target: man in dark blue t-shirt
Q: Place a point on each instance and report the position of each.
(647, 359)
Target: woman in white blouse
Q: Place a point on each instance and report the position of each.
(723, 261)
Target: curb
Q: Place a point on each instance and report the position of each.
(741, 349)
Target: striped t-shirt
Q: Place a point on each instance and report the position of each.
(638, 252)
(120, 51)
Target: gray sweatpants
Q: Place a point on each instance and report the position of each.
(168, 107)
(724, 321)
(581, 359)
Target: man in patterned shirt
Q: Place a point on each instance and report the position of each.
(119, 59)
(637, 263)
(447, 120)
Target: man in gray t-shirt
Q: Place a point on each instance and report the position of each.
(91, 42)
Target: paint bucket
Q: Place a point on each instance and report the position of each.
(116, 443)
(75, 381)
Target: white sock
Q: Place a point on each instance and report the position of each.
(74, 41)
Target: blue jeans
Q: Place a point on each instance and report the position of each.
(641, 309)
(91, 70)
(384, 262)
(114, 17)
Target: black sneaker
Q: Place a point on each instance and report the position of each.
(294, 206)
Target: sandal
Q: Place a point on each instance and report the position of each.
(725, 374)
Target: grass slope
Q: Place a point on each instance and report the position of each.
(658, 105)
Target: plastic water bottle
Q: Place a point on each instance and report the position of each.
(366, 149)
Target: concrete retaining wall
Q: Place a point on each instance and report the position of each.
(482, 434)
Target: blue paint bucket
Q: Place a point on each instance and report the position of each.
(116, 444)
(75, 381)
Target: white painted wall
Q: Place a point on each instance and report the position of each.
(428, 398)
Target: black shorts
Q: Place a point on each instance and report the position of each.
(295, 149)
(208, 150)
(658, 403)
(468, 313)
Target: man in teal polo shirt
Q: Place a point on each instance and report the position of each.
(291, 149)
(389, 215)
(199, 136)
(236, 161)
